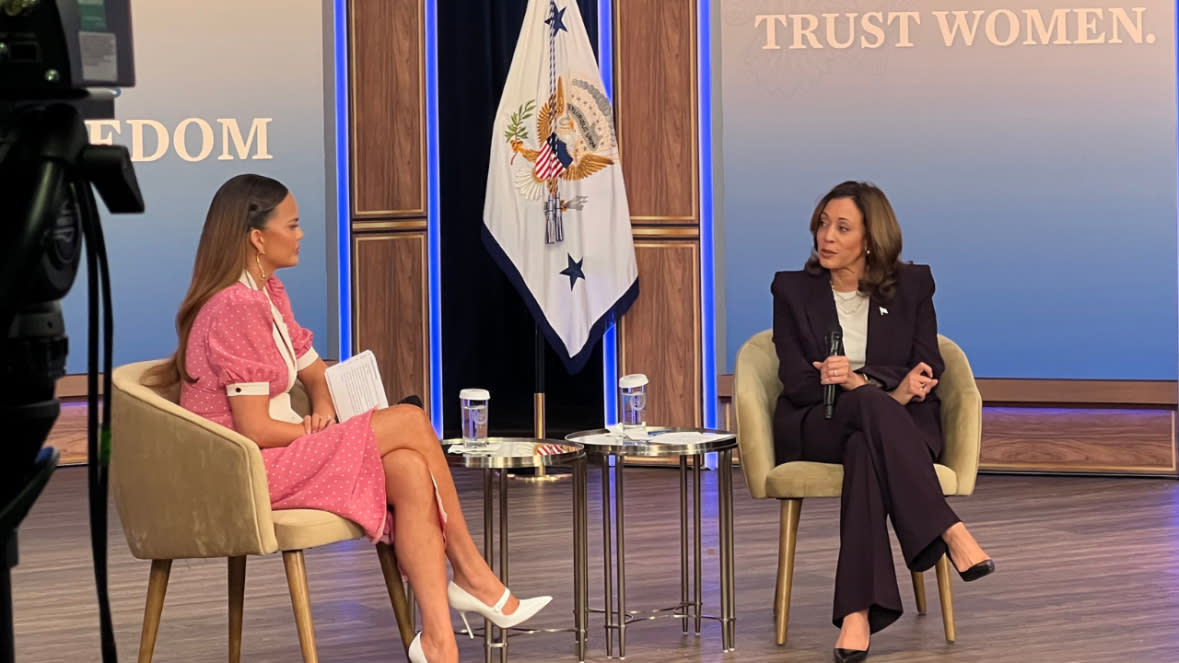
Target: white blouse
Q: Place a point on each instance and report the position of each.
(852, 308)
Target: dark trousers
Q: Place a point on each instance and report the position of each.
(887, 452)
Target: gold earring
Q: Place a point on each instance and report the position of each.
(258, 259)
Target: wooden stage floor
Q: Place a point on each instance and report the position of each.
(1088, 570)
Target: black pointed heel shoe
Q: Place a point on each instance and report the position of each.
(851, 655)
(412, 399)
(982, 569)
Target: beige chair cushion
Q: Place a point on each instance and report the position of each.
(804, 478)
(297, 529)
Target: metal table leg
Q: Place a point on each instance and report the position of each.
(607, 562)
(503, 554)
(684, 609)
(620, 542)
(580, 556)
(488, 540)
(698, 581)
(725, 518)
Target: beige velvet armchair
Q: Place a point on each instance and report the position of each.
(755, 392)
(188, 488)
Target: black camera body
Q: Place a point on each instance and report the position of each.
(58, 49)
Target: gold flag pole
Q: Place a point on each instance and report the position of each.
(538, 416)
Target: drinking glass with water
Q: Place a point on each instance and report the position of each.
(474, 416)
(632, 391)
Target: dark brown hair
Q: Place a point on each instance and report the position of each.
(882, 234)
(244, 203)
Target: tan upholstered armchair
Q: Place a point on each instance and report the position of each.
(188, 488)
(755, 392)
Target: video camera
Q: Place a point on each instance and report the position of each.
(60, 62)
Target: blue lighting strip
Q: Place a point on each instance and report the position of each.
(433, 228)
(343, 201)
(610, 337)
(707, 266)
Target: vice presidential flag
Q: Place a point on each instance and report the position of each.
(556, 218)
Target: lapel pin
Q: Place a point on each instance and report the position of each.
(883, 311)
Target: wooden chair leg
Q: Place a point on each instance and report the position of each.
(413, 608)
(946, 594)
(787, 538)
(782, 565)
(301, 602)
(157, 587)
(401, 607)
(237, 597)
(781, 569)
(919, 591)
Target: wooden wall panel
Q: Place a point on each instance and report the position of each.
(387, 103)
(1075, 440)
(660, 335)
(390, 315)
(655, 97)
(1086, 393)
(387, 92)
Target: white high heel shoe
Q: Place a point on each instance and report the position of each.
(416, 655)
(462, 601)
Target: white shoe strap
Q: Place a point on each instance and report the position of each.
(503, 600)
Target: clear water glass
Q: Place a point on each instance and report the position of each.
(473, 403)
(632, 393)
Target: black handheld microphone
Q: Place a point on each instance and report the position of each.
(834, 347)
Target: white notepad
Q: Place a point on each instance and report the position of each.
(355, 386)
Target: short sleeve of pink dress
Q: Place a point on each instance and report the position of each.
(232, 350)
(301, 338)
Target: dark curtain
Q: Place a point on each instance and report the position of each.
(488, 336)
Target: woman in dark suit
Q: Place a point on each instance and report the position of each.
(886, 426)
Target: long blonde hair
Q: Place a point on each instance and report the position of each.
(242, 204)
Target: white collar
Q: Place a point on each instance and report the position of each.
(248, 280)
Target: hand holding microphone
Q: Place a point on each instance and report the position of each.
(836, 370)
(831, 369)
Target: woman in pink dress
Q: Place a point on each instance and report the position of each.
(239, 354)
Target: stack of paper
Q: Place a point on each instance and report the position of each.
(685, 437)
(355, 386)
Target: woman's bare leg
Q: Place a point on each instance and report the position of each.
(855, 632)
(407, 427)
(964, 550)
(418, 542)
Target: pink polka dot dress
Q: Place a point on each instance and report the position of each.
(245, 341)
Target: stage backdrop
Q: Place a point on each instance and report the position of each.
(223, 87)
(1028, 147)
